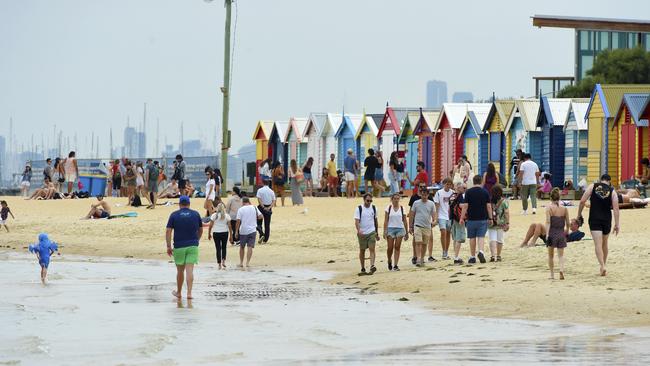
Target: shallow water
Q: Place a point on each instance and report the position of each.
(121, 312)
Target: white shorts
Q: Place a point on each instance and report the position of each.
(3, 222)
(350, 176)
(25, 184)
(496, 235)
(71, 178)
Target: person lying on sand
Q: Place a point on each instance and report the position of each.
(628, 198)
(99, 210)
(538, 230)
(45, 192)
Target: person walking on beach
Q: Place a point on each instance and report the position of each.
(514, 165)
(395, 229)
(602, 201)
(151, 181)
(265, 172)
(296, 178)
(350, 167)
(71, 170)
(309, 180)
(365, 222)
(557, 227)
(422, 218)
(5, 211)
(247, 219)
(394, 175)
(370, 163)
(232, 206)
(380, 182)
(220, 229)
(47, 171)
(529, 178)
(490, 178)
(130, 182)
(477, 210)
(210, 192)
(43, 250)
(266, 201)
(441, 200)
(333, 181)
(139, 179)
(187, 228)
(500, 223)
(458, 231)
(26, 180)
(116, 178)
(179, 172)
(278, 181)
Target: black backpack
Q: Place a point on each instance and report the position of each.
(454, 207)
(137, 202)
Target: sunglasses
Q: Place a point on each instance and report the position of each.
(369, 201)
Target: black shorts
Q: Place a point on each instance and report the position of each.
(601, 225)
(182, 183)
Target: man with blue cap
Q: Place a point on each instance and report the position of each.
(187, 228)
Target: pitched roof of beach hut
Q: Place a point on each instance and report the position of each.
(332, 123)
(528, 110)
(634, 102)
(351, 121)
(611, 96)
(456, 112)
(427, 120)
(263, 130)
(579, 108)
(280, 128)
(298, 126)
(315, 121)
(553, 111)
(393, 119)
(367, 120)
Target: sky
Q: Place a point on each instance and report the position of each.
(85, 66)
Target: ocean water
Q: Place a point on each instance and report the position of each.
(121, 312)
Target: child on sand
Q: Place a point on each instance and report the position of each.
(4, 214)
(43, 250)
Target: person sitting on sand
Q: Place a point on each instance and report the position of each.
(324, 179)
(99, 210)
(43, 193)
(43, 250)
(557, 227)
(171, 191)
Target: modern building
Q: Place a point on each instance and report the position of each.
(594, 35)
(3, 158)
(141, 145)
(436, 93)
(462, 97)
(130, 142)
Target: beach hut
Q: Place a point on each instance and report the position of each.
(328, 142)
(297, 148)
(312, 133)
(628, 138)
(428, 151)
(408, 144)
(261, 137)
(551, 118)
(366, 138)
(446, 139)
(494, 146)
(575, 140)
(471, 135)
(603, 106)
(389, 129)
(345, 136)
(277, 145)
(522, 133)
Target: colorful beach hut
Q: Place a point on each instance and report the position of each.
(277, 145)
(603, 106)
(315, 125)
(628, 139)
(297, 148)
(345, 136)
(389, 130)
(261, 137)
(329, 144)
(472, 137)
(551, 118)
(428, 151)
(408, 144)
(522, 133)
(575, 140)
(366, 138)
(494, 146)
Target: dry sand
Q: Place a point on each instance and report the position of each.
(518, 287)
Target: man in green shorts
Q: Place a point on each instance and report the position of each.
(187, 229)
(365, 221)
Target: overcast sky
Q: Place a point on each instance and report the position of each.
(86, 65)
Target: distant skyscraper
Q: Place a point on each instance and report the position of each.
(130, 142)
(3, 158)
(436, 93)
(191, 148)
(142, 145)
(462, 97)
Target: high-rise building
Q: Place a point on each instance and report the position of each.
(3, 158)
(130, 142)
(462, 97)
(436, 93)
(141, 145)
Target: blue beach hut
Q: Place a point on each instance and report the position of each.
(345, 136)
(575, 140)
(522, 133)
(552, 116)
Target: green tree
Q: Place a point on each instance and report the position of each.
(622, 66)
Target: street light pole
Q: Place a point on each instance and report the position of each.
(225, 133)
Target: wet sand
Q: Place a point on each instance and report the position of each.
(518, 287)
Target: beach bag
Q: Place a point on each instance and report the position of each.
(80, 185)
(300, 177)
(137, 202)
(454, 207)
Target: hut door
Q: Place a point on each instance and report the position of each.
(628, 134)
(471, 150)
(426, 155)
(447, 152)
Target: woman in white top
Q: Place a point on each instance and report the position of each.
(139, 180)
(71, 170)
(233, 205)
(210, 192)
(394, 230)
(220, 229)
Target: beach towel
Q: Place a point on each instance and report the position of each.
(128, 214)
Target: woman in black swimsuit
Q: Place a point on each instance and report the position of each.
(603, 200)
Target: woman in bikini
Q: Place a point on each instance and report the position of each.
(557, 227)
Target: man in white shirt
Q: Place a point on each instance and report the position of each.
(266, 201)
(529, 177)
(247, 217)
(365, 221)
(441, 200)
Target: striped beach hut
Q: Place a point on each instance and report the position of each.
(521, 132)
(261, 137)
(366, 138)
(495, 145)
(603, 106)
(575, 140)
(472, 136)
(329, 144)
(297, 148)
(345, 136)
(277, 145)
(408, 143)
(427, 148)
(551, 118)
(628, 138)
(389, 131)
(315, 125)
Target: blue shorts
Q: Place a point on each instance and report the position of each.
(476, 228)
(444, 224)
(44, 262)
(395, 232)
(307, 176)
(379, 174)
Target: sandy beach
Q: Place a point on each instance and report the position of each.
(323, 238)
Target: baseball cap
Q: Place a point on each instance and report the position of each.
(183, 200)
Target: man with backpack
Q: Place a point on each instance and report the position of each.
(365, 221)
(458, 233)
